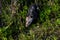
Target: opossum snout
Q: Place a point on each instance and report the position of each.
(28, 21)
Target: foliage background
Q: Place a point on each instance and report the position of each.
(12, 26)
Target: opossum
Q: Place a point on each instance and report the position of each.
(32, 14)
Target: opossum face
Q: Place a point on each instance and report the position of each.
(31, 15)
(29, 20)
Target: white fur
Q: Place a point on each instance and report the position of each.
(28, 21)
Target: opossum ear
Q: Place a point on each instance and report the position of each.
(37, 8)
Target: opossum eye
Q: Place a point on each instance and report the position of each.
(28, 22)
(31, 16)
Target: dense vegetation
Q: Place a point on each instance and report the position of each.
(13, 15)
